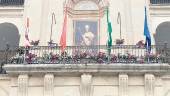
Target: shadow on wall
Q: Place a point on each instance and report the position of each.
(162, 34)
(9, 36)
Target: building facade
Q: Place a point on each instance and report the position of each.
(129, 77)
(90, 12)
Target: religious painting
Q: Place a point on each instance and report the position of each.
(86, 33)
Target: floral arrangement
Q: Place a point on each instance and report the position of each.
(87, 57)
(101, 57)
(50, 58)
(113, 58)
(140, 44)
(152, 57)
(30, 58)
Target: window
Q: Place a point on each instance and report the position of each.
(160, 1)
(11, 2)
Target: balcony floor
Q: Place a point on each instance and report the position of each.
(95, 69)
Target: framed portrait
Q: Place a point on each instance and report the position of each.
(85, 33)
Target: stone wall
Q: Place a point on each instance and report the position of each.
(85, 83)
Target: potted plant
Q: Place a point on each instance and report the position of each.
(119, 41)
(35, 43)
(52, 44)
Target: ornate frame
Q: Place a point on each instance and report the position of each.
(98, 33)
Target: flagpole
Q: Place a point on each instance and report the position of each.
(27, 41)
(63, 34)
(53, 22)
(109, 31)
(108, 47)
(119, 21)
(147, 35)
(99, 26)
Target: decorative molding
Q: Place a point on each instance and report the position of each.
(123, 85)
(71, 7)
(49, 85)
(85, 88)
(159, 11)
(149, 84)
(5, 77)
(166, 77)
(23, 85)
(72, 3)
(11, 12)
(78, 69)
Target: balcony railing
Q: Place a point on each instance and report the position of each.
(11, 2)
(160, 2)
(131, 54)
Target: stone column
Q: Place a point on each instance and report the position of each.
(128, 19)
(49, 85)
(45, 32)
(149, 84)
(85, 87)
(123, 85)
(23, 85)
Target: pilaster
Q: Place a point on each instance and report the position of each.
(149, 84)
(123, 85)
(23, 85)
(49, 85)
(44, 34)
(128, 20)
(85, 87)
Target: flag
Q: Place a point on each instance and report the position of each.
(109, 29)
(27, 41)
(147, 33)
(63, 35)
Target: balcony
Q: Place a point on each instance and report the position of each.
(126, 54)
(122, 58)
(12, 2)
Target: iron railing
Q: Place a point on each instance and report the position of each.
(160, 2)
(129, 54)
(11, 2)
(5, 56)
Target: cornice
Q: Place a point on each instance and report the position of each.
(11, 12)
(159, 10)
(95, 69)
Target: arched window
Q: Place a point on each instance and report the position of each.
(86, 16)
(84, 8)
(9, 35)
(162, 34)
(86, 5)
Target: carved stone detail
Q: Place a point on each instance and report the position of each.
(149, 84)
(23, 85)
(49, 85)
(123, 85)
(85, 88)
